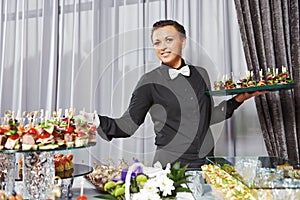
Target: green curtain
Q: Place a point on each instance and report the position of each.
(270, 35)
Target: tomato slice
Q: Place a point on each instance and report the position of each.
(32, 131)
(14, 137)
(80, 134)
(44, 135)
(3, 130)
(69, 129)
(56, 134)
(93, 129)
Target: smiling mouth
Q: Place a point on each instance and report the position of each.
(165, 54)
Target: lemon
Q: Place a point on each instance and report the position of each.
(119, 191)
(141, 178)
(119, 182)
(109, 185)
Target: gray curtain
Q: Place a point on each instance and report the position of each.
(270, 35)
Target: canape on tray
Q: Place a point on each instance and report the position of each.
(40, 131)
(270, 77)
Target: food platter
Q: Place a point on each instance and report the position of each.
(250, 89)
(263, 172)
(78, 170)
(103, 173)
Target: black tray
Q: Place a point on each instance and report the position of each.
(250, 89)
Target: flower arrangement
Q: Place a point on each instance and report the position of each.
(139, 182)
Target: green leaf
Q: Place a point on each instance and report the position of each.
(11, 132)
(134, 188)
(170, 176)
(13, 122)
(180, 173)
(80, 122)
(179, 182)
(106, 196)
(63, 124)
(183, 189)
(56, 122)
(176, 166)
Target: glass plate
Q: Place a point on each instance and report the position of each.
(259, 172)
(78, 170)
(59, 148)
(250, 89)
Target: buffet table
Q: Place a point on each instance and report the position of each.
(252, 178)
(224, 178)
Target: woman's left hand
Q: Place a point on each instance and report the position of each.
(244, 96)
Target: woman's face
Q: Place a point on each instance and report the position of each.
(168, 44)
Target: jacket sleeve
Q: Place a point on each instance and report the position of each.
(225, 109)
(128, 123)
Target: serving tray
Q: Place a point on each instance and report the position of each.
(250, 89)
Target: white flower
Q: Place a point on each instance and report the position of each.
(165, 185)
(145, 196)
(136, 196)
(157, 165)
(148, 192)
(158, 184)
(150, 186)
(168, 169)
(160, 171)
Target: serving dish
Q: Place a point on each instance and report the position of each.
(250, 89)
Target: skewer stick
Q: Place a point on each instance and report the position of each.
(42, 113)
(54, 114)
(260, 74)
(46, 115)
(66, 112)
(31, 117)
(67, 115)
(59, 114)
(81, 189)
(248, 74)
(18, 114)
(95, 115)
(25, 114)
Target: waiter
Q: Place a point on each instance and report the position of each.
(174, 95)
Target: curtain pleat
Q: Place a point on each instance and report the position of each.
(270, 33)
(89, 54)
(295, 61)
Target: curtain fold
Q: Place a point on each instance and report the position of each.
(28, 55)
(270, 34)
(89, 54)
